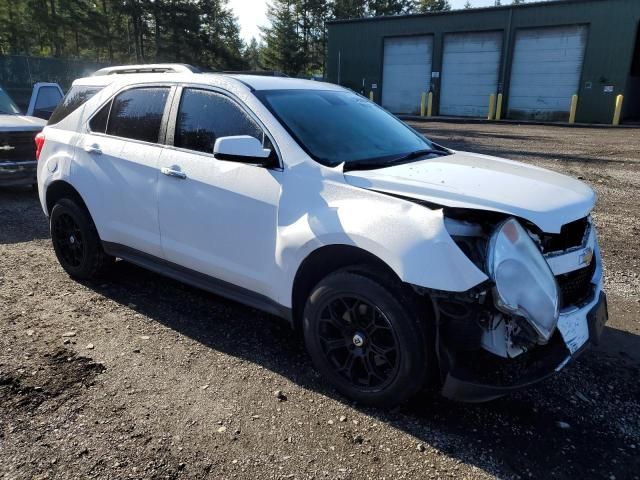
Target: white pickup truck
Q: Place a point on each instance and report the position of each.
(17, 132)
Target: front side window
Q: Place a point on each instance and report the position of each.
(337, 127)
(75, 97)
(137, 114)
(205, 116)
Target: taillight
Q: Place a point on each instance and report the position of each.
(39, 144)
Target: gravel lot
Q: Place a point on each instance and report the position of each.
(138, 376)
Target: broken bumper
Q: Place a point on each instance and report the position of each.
(577, 328)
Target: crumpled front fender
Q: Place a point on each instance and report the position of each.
(410, 238)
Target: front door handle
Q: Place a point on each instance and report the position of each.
(94, 149)
(173, 173)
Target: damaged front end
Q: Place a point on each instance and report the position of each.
(541, 307)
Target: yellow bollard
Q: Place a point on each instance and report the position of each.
(371, 95)
(430, 104)
(492, 106)
(499, 108)
(618, 112)
(423, 101)
(574, 107)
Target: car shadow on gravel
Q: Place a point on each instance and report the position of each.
(21, 217)
(584, 423)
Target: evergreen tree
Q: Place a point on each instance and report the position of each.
(252, 55)
(377, 8)
(202, 32)
(283, 46)
(349, 9)
(433, 5)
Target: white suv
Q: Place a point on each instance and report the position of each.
(405, 264)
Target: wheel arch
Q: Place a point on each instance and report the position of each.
(325, 260)
(62, 189)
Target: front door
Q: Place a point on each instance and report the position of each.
(217, 217)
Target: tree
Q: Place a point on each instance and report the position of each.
(252, 55)
(202, 32)
(467, 5)
(283, 47)
(433, 6)
(378, 8)
(349, 9)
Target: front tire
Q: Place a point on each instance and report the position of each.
(366, 337)
(76, 241)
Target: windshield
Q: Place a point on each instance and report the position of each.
(341, 126)
(7, 106)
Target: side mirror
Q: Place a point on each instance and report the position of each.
(241, 148)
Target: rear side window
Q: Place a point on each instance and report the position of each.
(74, 98)
(137, 114)
(205, 116)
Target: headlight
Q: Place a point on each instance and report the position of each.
(525, 285)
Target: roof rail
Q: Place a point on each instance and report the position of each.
(147, 68)
(257, 73)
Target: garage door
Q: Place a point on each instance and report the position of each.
(545, 73)
(406, 72)
(470, 66)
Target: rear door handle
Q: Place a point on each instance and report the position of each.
(173, 173)
(94, 149)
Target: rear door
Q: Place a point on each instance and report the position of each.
(119, 160)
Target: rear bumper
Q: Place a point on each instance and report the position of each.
(18, 173)
(577, 329)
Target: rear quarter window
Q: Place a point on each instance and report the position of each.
(74, 98)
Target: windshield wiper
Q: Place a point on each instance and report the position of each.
(371, 164)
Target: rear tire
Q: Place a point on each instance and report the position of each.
(76, 241)
(365, 336)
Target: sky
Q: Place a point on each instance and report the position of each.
(253, 13)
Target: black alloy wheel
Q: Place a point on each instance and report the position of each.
(76, 240)
(68, 239)
(359, 341)
(367, 337)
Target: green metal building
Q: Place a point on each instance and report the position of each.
(532, 58)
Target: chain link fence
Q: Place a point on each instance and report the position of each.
(19, 73)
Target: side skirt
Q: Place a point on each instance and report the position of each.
(199, 280)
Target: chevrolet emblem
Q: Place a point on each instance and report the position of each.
(586, 257)
(7, 148)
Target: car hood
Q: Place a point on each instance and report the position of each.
(21, 123)
(482, 182)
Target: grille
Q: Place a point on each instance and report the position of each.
(571, 235)
(575, 287)
(23, 143)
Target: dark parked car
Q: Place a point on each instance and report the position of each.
(17, 132)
